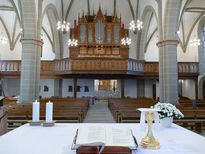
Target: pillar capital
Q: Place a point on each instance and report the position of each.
(167, 42)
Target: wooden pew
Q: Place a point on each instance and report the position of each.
(64, 111)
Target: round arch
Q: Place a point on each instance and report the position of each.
(142, 37)
(52, 14)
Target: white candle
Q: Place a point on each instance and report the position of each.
(36, 107)
(49, 112)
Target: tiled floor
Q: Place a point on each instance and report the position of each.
(99, 113)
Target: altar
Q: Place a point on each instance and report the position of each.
(58, 140)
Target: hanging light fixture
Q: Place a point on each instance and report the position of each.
(126, 41)
(195, 42)
(3, 39)
(63, 25)
(72, 42)
(136, 25)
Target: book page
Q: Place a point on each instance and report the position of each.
(91, 135)
(117, 136)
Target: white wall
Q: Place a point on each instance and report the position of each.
(188, 89)
(85, 82)
(152, 53)
(47, 51)
(66, 84)
(80, 82)
(50, 84)
(130, 88)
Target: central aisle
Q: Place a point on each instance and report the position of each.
(99, 113)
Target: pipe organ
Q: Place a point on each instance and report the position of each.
(99, 35)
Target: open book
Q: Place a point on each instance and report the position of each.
(104, 136)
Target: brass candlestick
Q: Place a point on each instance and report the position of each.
(149, 142)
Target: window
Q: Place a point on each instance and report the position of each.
(78, 89)
(70, 88)
(86, 89)
(46, 89)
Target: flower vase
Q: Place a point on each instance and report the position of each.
(166, 122)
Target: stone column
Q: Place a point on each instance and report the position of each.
(140, 88)
(39, 48)
(122, 88)
(75, 88)
(196, 88)
(30, 66)
(161, 54)
(168, 72)
(58, 87)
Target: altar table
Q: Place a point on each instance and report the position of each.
(58, 140)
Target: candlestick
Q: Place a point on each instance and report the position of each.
(35, 117)
(49, 112)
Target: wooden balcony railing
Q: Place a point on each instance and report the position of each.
(188, 67)
(151, 67)
(98, 66)
(47, 67)
(10, 66)
(62, 66)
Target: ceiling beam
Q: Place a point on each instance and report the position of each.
(6, 8)
(150, 38)
(49, 38)
(68, 10)
(183, 10)
(137, 9)
(131, 9)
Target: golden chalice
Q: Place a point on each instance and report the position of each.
(149, 142)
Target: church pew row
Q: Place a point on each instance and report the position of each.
(64, 111)
(124, 111)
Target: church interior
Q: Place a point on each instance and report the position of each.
(98, 61)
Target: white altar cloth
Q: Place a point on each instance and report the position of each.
(58, 140)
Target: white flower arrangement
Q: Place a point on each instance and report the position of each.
(168, 110)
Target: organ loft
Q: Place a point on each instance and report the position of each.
(99, 35)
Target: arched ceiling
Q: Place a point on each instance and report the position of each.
(126, 8)
(196, 6)
(10, 10)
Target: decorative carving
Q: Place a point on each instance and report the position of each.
(99, 35)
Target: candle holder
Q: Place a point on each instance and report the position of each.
(32, 123)
(49, 124)
(149, 142)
